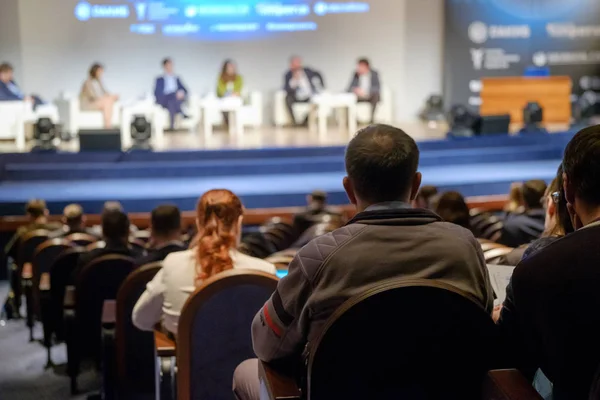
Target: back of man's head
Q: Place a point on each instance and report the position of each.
(35, 208)
(382, 162)
(112, 206)
(73, 215)
(115, 225)
(533, 193)
(581, 165)
(166, 221)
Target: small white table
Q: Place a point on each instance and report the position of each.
(323, 103)
(230, 105)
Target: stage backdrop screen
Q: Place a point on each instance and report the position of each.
(488, 38)
(214, 19)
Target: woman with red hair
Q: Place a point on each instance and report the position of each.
(219, 217)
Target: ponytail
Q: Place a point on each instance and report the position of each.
(218, 214)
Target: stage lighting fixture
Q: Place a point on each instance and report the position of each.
(462, 121)
(141, 132)
(44, 134)
(584, 109)
(434, 109)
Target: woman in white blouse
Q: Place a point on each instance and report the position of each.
(93, 96)
(219, 221)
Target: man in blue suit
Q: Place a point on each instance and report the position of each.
(10, 91)
(170, 92)
(366, 85)
(300, 84)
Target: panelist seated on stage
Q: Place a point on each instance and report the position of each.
(170, 92)
(219, 220)
(230, 83)
(10, 91)
(94, 97)
(301, 83)
(366, 85)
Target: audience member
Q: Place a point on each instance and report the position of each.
(525, 227)
(452, 207)
(425, 197)
(300, 84)
(514, 205)
(165, 234)
(170, 92)
(93, 95)
(115, 233)
(73, 222)
(366, 86)
(316, 211)
(550, 315)
(10, 91)
(37, 213)
(383, 241)
(96, 230)
(219, 219)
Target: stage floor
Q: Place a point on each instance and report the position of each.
(271, 137)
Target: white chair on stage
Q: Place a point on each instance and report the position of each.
(152, 112)
(384, 112)
(12, 122)
(74, 118)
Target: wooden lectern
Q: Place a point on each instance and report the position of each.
(509, 95)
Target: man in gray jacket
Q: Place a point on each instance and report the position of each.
(387, 239)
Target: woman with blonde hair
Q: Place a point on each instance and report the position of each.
(219, 215)
(94, 96)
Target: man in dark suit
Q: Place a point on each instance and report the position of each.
(170, 92)
(366, 85)
(10, 91)
(550, 316)
(115, 233)
(165, 234)
(300, 84)
(528, 226)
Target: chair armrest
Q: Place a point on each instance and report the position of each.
(109, 313)
(69, 299)
(165, 347)
(277, 385)
(508, 384)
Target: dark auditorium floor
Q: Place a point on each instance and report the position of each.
(22, 373)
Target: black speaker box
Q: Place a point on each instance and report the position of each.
(99, 140)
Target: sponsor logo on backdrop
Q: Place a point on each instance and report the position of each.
(493, 59)
(479, 32)
(572, 31)
(140, 9)
(542, 59)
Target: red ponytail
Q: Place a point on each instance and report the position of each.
(218, 212)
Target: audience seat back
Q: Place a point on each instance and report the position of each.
(61, 273)
(214, 332)
(81, 239)
(28, 243)
(134, 348)
(406, 339)
(98, 281)
(43, 259)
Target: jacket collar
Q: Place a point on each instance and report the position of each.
(396, 216)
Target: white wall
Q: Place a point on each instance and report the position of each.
(403, 39)
(10, 35)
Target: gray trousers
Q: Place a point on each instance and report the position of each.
(246, 385)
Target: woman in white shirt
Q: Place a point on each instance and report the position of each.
(219, 221)
(93, 96)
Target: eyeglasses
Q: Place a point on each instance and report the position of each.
(555, 196)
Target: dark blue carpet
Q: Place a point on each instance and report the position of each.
(263, 178)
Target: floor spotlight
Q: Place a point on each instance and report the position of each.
(584, 110)
(141, 132)
(462, 121)
(44, 134)
(434, 109)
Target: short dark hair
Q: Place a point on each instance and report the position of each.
(427, 193)
(533, 193)
(581, 164)
(94, 70)
(35, 208)
(115, 225)
(4, 67)
(166, 60)
(319, 195)
(452, 207)
(364, 61)
(166, 220)
(381, 161)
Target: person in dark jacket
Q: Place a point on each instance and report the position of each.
(74, 222)
(387, 239)
(169, 92)
(165, 235)
(365, 84)
(10, 91)
(115, 233)
(315, 212)
(550, 316)
(300, 84)
(525, 227)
